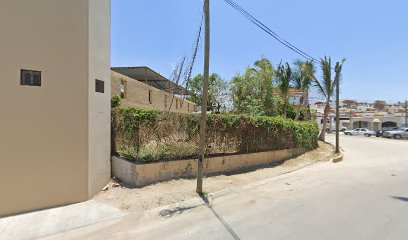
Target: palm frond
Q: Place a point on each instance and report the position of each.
(308, 72)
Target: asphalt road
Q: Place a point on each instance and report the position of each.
(363, 197)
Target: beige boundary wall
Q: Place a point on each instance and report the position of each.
(54, 138)
(137, 94)
(140, 175)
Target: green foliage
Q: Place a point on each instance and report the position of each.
(115, 101)
(303, 75)
(283, 78)
(327, 85)
(133, 118)
(148, 135)
(217, 91)
(303, 80)
(151, 153)
(253, 92)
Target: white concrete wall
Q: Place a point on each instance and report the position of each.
(99, 103)
(54, 139)
(43, 130)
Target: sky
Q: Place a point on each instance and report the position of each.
(371, 34)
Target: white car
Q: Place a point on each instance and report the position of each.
(333, 129)
(360, 131)
(396, 133)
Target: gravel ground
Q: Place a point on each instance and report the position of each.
(165, 193)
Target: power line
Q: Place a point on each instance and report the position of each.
(189, 63)
(189, 70)
(270, 32)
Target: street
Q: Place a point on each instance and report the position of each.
(363, 197)
(227, 131)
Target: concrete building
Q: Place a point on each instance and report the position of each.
(378, 122)
(351, 119)
(143, 87)
(296, 97)
(55, 95)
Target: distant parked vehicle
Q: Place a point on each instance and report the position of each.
(333, 129)
(381, 132)
(360, 131)
(397, 133)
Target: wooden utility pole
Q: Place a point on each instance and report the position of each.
(406, 113)
(203, 121)
(337, 110)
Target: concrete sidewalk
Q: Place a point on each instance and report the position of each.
(363, 197)
(120, 208)
(57, 220)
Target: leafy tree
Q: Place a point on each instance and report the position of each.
(326, 87)
(217, 91)
(303, 80)
(380, 105)
(284, 77)
(252, 92)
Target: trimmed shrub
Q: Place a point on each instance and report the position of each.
(115, 101)
(144, 135)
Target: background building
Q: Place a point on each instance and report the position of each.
(143, 87)
(296, 97)
(55, 95)
(363, 115)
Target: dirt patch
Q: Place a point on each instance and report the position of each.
(165, 193)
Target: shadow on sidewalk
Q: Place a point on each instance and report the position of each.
(177, 211)
(404, 199)
(223, 222)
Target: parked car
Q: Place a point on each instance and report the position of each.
(381, 132)
(397, 133)
(333, 129)
(360, 131)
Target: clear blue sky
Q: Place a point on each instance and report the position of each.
(371, 34)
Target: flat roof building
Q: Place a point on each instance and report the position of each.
(144, 87)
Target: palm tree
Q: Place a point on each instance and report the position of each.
(284, 77)
(326, 87)
(303, 79)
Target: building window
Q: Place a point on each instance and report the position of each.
(150, 96)
(99, 86)
(30, 78)
(123, 89)
(177, 103)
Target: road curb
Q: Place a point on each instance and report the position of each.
(338, 157)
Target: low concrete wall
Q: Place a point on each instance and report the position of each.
(140, 175)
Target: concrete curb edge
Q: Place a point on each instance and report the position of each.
(337, 157)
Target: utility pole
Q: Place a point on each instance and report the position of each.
(203, 120)
(337, 110)
(406, 113)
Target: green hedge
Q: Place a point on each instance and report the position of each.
(150, 135)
